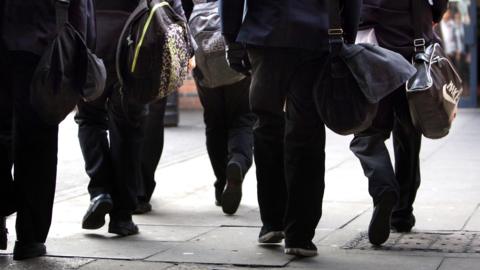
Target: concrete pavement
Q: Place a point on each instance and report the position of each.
(187, 231)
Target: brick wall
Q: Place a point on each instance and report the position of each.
(188, 96)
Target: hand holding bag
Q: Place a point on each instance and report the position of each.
(433, 93)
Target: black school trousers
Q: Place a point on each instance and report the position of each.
(229, 123)
(289, 147)
(111, 136)
(403, 178)
(152, 149)
(30, 146)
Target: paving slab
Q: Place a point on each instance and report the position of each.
(246, 219)
(190, 266)
(346, 183)
(339, 260)
(183, 215)
(233, 245)
(339, 214)
(460, 264)
(42, 263)
(100, 246)
(125, 265)
(335, 238)
(169, 233)
(438, 217)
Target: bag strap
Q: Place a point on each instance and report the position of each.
(61, 13)
(335, 30)
(418, 8)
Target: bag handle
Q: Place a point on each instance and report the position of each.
(417, 8)
(335, 30)
(61, 13)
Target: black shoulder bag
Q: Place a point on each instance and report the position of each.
(67, 71)
(433, 93)
(354, 79)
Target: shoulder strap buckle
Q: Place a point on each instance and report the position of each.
(419, 44)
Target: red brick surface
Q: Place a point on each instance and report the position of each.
(188, 96)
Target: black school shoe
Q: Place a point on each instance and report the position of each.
(95, 216)
(403, 225)
(301, 250)
(122, 227)
(218, 196)
(3, 233)
(232, 195)
(270, 236)
(379, 229)
(23, 250)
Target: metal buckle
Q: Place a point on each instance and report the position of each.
(419, 44)
(335, 32)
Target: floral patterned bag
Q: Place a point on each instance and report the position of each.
(152, 53)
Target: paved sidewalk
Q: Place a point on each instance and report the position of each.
(187, 231)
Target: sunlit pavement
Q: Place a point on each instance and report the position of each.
(186, 230)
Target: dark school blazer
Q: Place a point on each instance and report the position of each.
(284, 23)
(30, 25)
(392, 21)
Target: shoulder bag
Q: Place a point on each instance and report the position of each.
(434, 91)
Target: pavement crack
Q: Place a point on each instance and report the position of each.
(440, 264)
(355, 217)
(470, 217)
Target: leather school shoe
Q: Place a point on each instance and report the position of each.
(403, 225)
(232, 195)
(95, 216)
(302, 250)
(122, 227)
(23, 250)
(270, 237)
(3, 233)
(379, 229)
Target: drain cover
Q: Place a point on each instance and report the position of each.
(446, 242)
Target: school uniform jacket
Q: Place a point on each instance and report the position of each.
(30, 25)
(283, 23)
(393, 23)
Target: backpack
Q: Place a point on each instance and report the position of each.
(212, 68)
(152, 52)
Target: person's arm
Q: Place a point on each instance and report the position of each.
(231, 13)
(351, 19)
(438, 9)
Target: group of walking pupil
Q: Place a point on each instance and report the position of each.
(257, 102)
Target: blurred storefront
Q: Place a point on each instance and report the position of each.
(459, 32)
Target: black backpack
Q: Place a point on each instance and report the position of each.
(152, 52)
